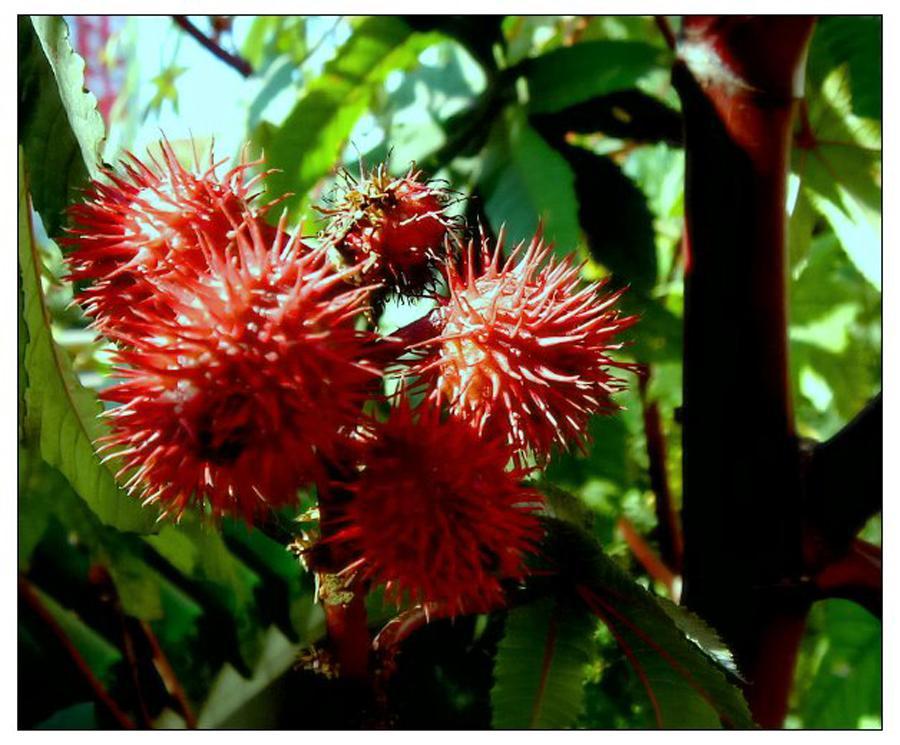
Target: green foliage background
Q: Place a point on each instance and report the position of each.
(568, 121)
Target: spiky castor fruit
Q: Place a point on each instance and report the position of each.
(141, 224)
(254, 377)
(521, 348)
(396, 228)
(436, 517)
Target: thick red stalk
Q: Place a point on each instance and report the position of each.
(346, 619)
(348, 633)
(739, 79)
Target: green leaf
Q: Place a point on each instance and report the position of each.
(856, 41)
(77, 716)
(829, 279)
(845, 691)
(702, 634)
(853, 374)
(615, 218)
(801, 225)
(285, 590)
(606, 457)
(36, 482)
(838, 159)
(199, 552)
(658, 335)
(60, 129)
(100, 655)
(526, 181)
(478, 34)
(44, 496)
(570, 75)
(309, 142)
(230, 690)
(683, 684)
(539, 669)
(61, 415)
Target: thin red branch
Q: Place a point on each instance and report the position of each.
(855, 576)
(131, 656)
(105, 588)
(665, 28)
(28, 594)
(169, 678)
(233, 60)
(644, 553)
(668, 519)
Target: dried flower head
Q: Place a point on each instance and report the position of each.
(255, 375)
(522, 347)
(436, 516)
(395, 227)
(142, 224)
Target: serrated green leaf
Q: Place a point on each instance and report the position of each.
(702, 634)
(60, 129)
(230, 690)
(61, 415)
(570, 75)
(526, 181)
(685, 687)
(309, 142)
(539, 668)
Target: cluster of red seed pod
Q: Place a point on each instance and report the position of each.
(245, 360)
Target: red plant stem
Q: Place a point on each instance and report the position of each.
(238, 63)
(27, 593)
(848, 463)
(855, 576)
(653, 565)
(131, 656)
(665, 28)
(738, 82)
(670, 541)
(348, 632)
(168, 677)
(345, 622)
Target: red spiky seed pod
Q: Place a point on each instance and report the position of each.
(394, 227)
(435, 515)
(521, 350)
(237, 396)
(142, 224)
